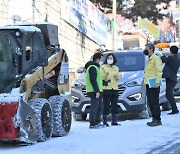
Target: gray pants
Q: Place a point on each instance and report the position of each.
(96, 110)
(169, 94)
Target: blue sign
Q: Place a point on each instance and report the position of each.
(84, 16)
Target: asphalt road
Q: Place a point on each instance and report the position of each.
(172, 146)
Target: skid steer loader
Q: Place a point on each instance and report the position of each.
(34, 81)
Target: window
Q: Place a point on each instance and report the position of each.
(130, 61)
(8, 70)
(33, 44)
(6, 54)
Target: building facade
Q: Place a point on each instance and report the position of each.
(78, 46)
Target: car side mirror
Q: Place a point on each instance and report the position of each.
(80, 69)
(43, 57)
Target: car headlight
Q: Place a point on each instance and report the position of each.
(137, 82)
(135, 97)
(77, 84)
(75, 99)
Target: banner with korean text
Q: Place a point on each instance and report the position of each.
(87, 18)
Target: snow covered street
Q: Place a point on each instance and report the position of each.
(133, 136)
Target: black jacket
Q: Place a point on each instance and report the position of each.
(172, 64)
(92, 76)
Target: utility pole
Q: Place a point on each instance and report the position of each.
(114, 28)
(33, 10)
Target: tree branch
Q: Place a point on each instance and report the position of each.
(123, 12)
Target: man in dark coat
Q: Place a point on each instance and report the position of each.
(172, 64)
(94, 90)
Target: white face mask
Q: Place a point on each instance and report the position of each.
(110, 61)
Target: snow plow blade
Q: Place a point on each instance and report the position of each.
(7, 129)
(17, 122)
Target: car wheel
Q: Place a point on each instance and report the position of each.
(84, 116)
(79, 117)
(166, 106)
(146, 114)
(148, 110)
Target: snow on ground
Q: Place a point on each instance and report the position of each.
(132, 137)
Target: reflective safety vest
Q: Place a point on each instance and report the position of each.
(89, 87)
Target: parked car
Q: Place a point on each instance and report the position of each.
(132, 92)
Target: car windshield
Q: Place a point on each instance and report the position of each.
(130, 61)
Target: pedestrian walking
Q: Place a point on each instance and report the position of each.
(94, 90)
(110, 76)
(172, 64)
(153, 69)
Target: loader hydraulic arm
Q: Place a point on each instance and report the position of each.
(31, 79)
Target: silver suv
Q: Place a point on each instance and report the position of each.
(132, 92)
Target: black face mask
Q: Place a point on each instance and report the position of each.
(146, 52)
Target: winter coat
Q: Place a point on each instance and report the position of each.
(89, 87)
(153, 69)
(93, 77)
(172, 64)
(111, 80)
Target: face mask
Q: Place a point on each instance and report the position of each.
(146, 52)
(109, 61)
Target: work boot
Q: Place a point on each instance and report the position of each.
(101, 125)
(173, 112)
(114, 120)
(94, 126)
(115, 124)
(154, 123)
(105, 121)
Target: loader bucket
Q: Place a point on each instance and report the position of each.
(17, 122)
(8, 131)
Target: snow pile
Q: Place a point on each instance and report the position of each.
(13, 96)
